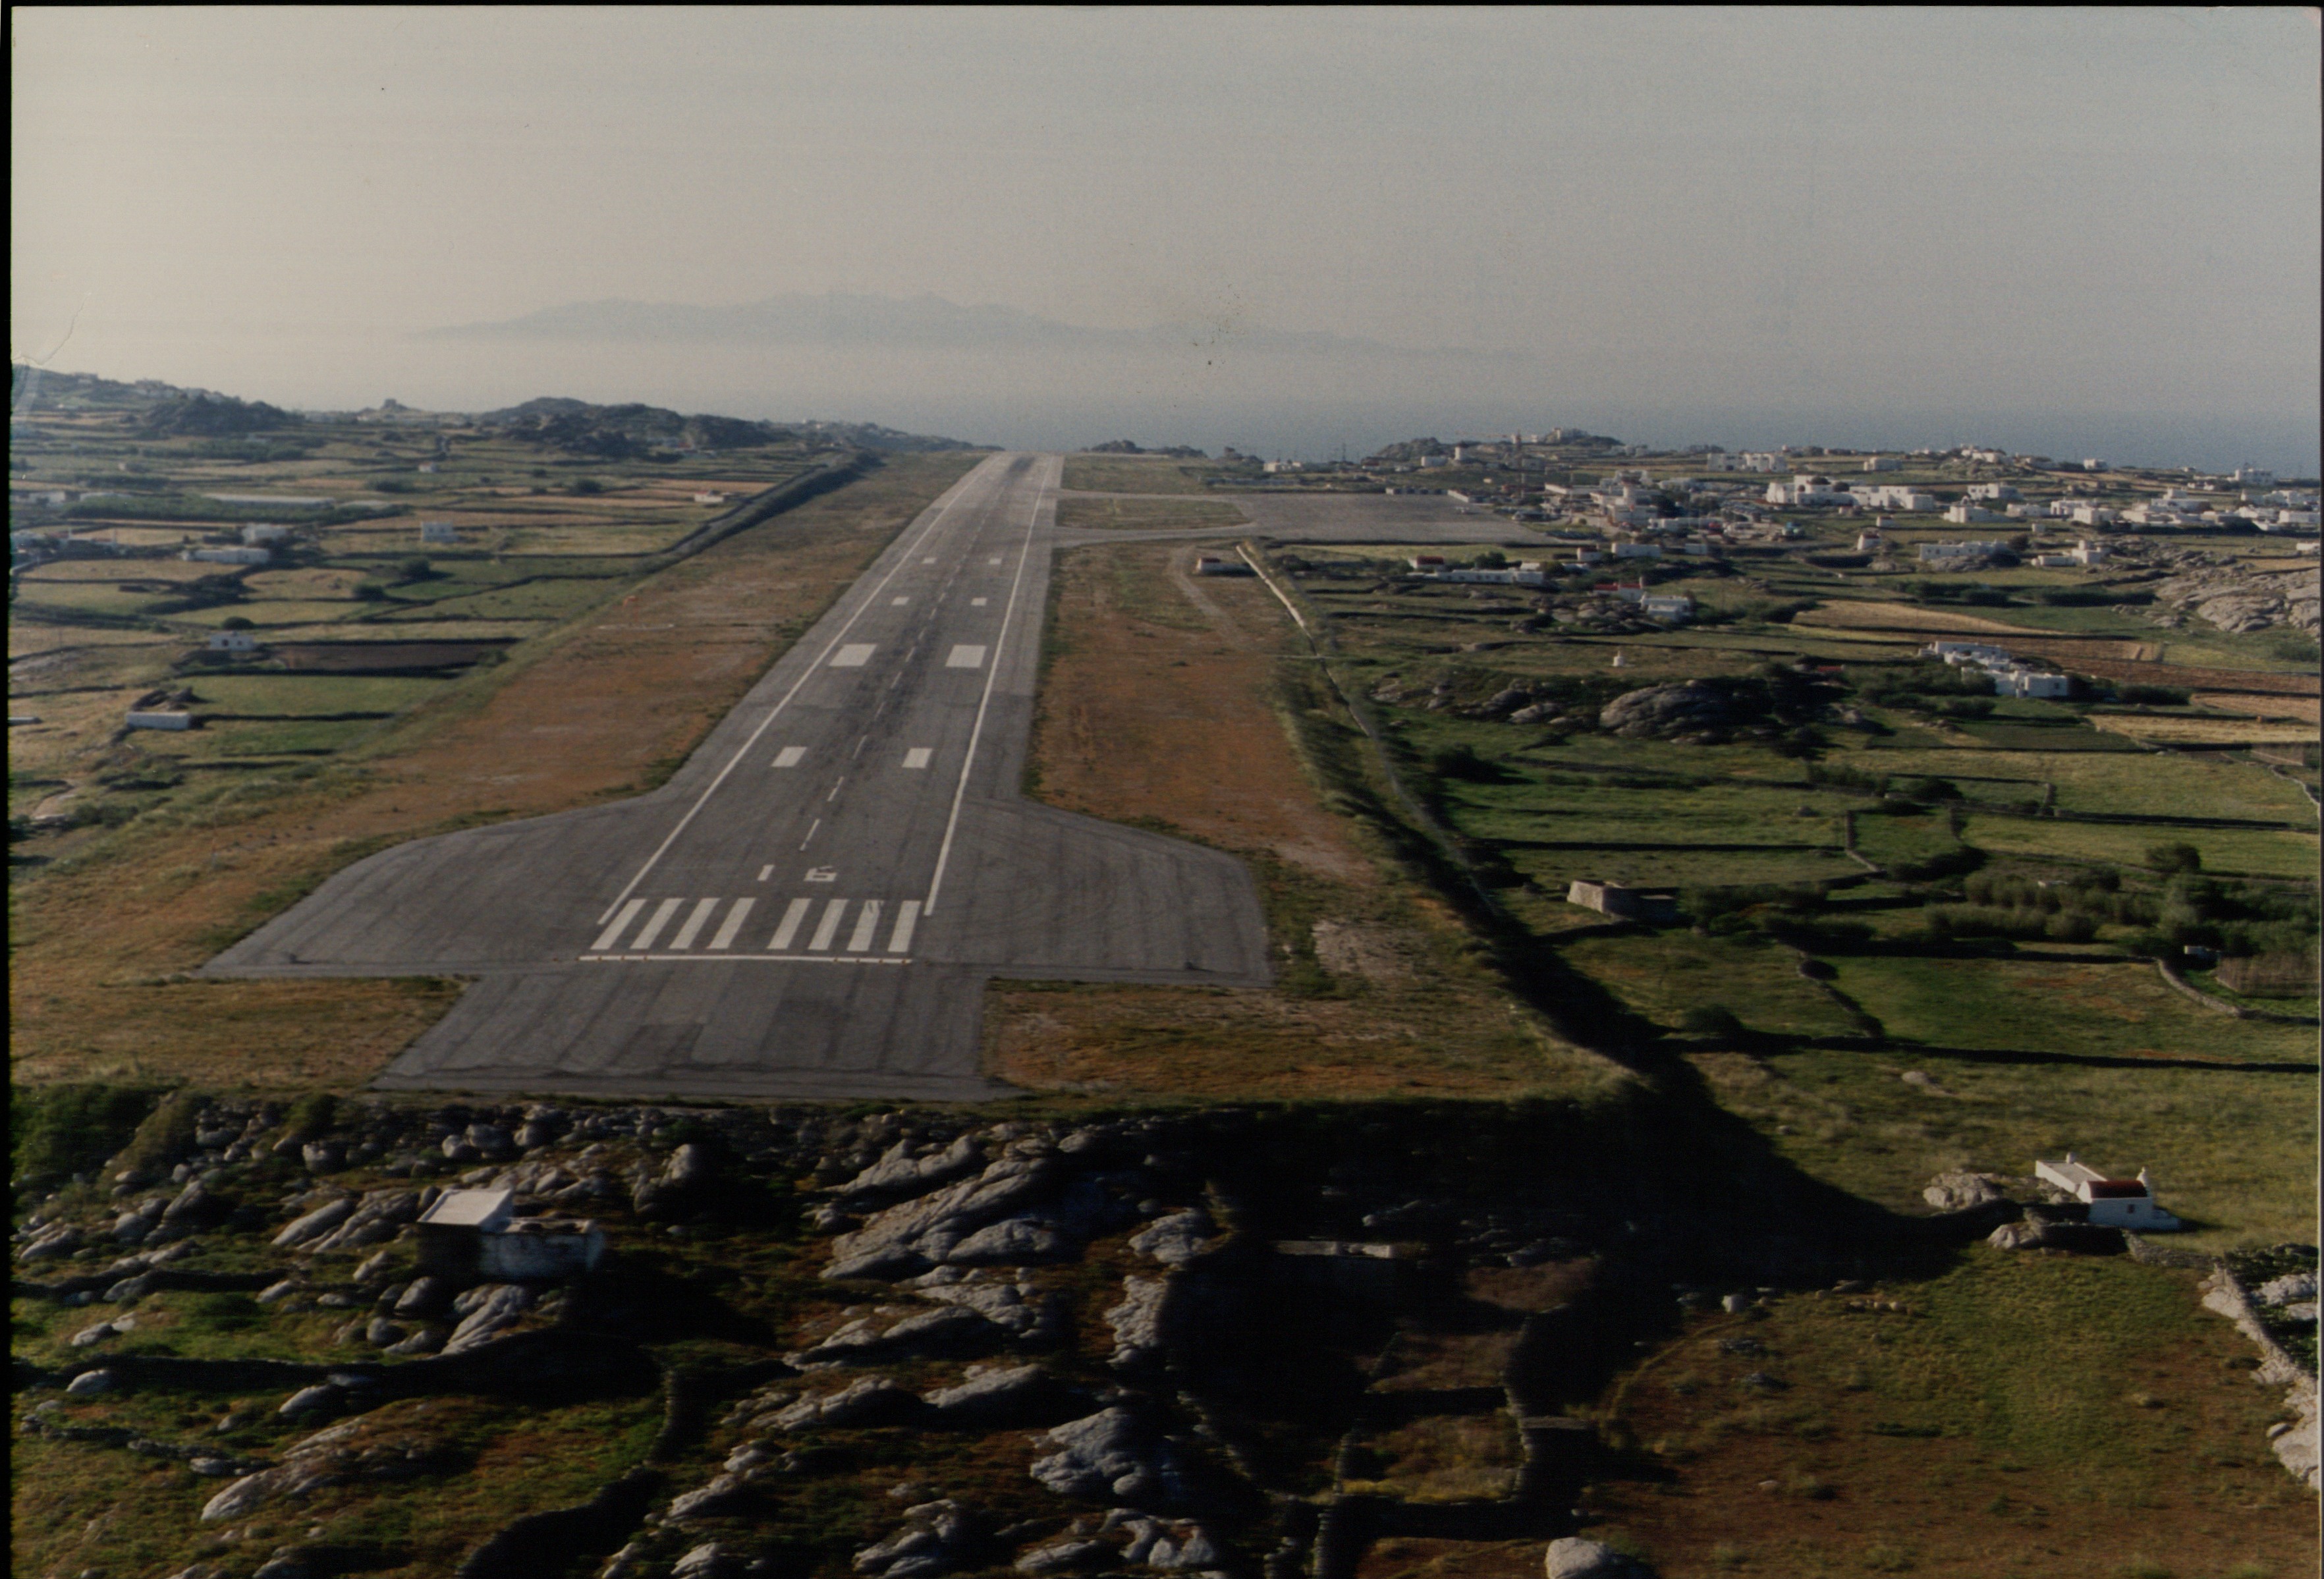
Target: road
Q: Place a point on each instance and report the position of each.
(811, 907)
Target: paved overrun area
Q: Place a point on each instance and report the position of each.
(812, 905)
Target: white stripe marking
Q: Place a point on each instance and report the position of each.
(867, 927)
(790, 756)
(731, 924)
(621, 919)
(854, 655)
(790, 928)
(1008, 616)
(764, 874)
(958, 492)
(906, 918)
(994, 561)
(977, 602)
(965, 657)
(898, 602)
(918, 757)
(662, 913)
(828, 926)
(929, 560)
(695, 923)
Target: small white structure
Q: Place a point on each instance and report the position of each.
(1869, 542)
(1427, 564)
(1883, 462)
(158, 719)
(1673, 608)
(2114, 1203)
(232, 641)
(258, 534)
(1997, 492)
(438, 531)
(1977, 549)
(1638, 551)
(1618, 899)
(478, 1233)
(710, 498)
(230, 556)
(2094, 464)
(1968, 514)
(1898, 496)
(1218, 565)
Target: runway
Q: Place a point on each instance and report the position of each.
(813, 904)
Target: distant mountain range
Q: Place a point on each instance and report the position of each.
(840, 318)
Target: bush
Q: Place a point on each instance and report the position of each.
(165, 1137)
(60, 1130)
(2152, 696)
(1929, 790)
(235, 623)
(415, 569)
(2174, 858)
(588, 486)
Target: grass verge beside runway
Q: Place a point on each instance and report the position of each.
(602, 706)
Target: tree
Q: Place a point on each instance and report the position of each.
(2174, 858)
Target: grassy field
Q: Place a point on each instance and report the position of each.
(1127, 474)
(1147, 515)
(2020, 1417)
(155, 879)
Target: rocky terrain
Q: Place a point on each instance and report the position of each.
(2235, 594)
(1231, 1341)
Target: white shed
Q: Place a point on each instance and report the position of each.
(2114, 1203)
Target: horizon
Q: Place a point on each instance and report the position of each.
(2086, 231)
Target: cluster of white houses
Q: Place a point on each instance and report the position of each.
(2010, 676)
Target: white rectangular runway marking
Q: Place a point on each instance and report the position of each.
(918, 757)
(898, 602)
(854, 655)
(790, 756)
(731, 924)
(994, 561)
(764, 874)
(907, 917)
(828, 926)
(660, 919)
(929, 560)
(867, 927)
(621, 919)
(965, 657)
(935, 520)
(976, 603)
(790, 928)
(694, 924)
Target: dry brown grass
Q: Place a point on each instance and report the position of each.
(585, 715)
(2167, 729)
(1135, 515)
(1163, 706)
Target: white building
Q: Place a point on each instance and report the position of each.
(2094, 465)
(1807, 490)
(158, 719)
(1899, 497)
(710, 498)
(259, 535)
(478, 1233)
(1674, 608)
(1762, 461)
(438, 531)
(229, 556)
(1968, 514)
(1284, 466)
(232, 641)
(2114, 1203)
(1980, 549)
(1638, 551)
(1883, 462)
(1869, 542)
(2252, 477)
(1997, 491)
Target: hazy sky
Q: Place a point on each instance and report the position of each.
(2077, 229)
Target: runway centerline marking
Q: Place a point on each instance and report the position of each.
(960, 490)
(790, 926)
(918, 757)
(790, 756)
(985, 702)
(965, 657)
(854, 655)
(834, 790)
(810, 832)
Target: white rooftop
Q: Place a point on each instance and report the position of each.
(481, 1209)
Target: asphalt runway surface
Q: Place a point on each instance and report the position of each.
(812, 906)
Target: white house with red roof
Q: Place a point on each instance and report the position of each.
(2114, 1203)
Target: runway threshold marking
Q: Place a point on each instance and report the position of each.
(854, 655)
(694, 924)
(790, 926)
(621, 923)
(965, 656)
(828, 927)
(918, 757)
(985, 702)
(656, 922)
(959, 491)
(867, 927)
(733, 924)
(908, 915)
(978, 602)
(790, 756)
